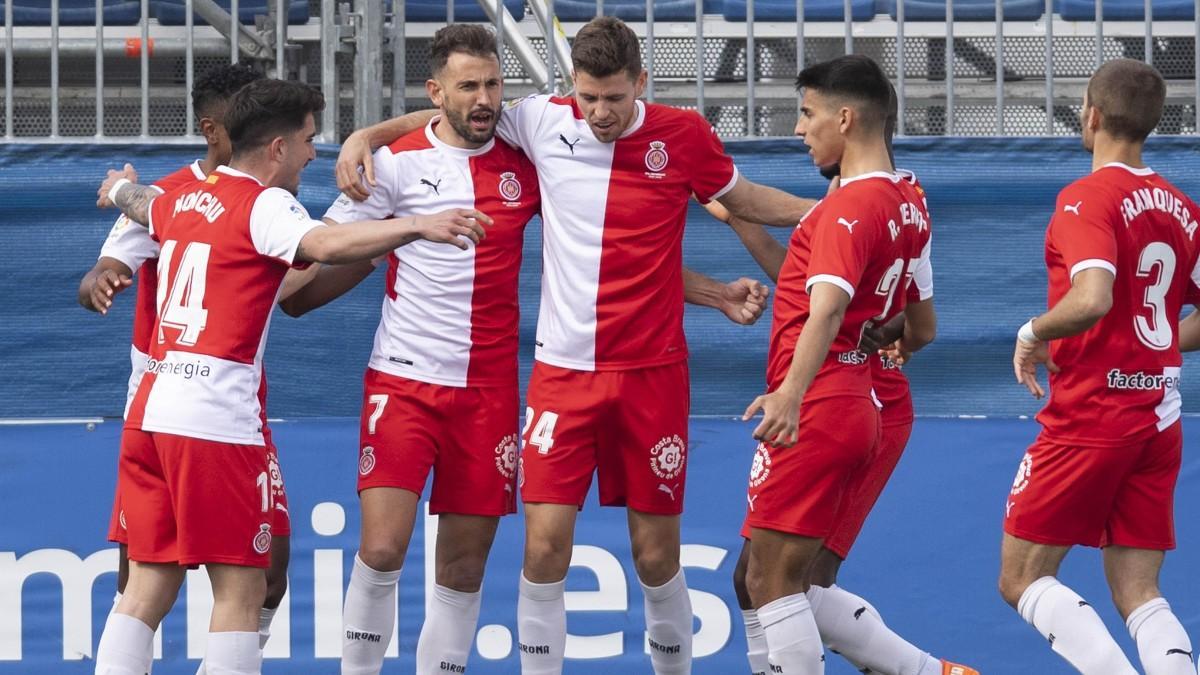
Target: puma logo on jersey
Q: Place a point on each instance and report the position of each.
(433, 186)
(662, 487)
(859, 612)
(1072, 208)
(1179, 651)
(570, 144)
(848, 224)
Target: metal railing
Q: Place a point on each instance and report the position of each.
(968, 67)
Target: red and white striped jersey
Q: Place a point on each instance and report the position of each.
(866, 238)
(613, 214)
(1118, 382)
(131, 244)
(450, 316)
(890, 384)
(226, 244)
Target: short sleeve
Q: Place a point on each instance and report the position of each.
(520, 119)
(277, 224)
(1082, 232)
(713, 170)
(379, 204)
(840, 246)
(129, 243)
(921, 287)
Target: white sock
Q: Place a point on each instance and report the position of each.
(1163, 644)
(449, 632)
(756, 643)
(116, 601)
(1073, 628)
(541, 627)
(265, 617)
(233, 653)
(852, 628)
(367, 618)
(669, 626)
(126, 646)
(792, 638)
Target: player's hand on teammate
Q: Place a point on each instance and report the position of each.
(781, 418)
(1026, 357)
(896, 353)
(113, 176)
(353, 166)
(744, 300)
(105, 285)
(452, 225)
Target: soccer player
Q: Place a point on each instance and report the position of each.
(1121, 258)
(440, 391)
(467, 300)
(194, 474)
(865, 641)
(130, 250)
(616, 175)
(848, 262)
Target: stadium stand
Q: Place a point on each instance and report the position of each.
(1126, 10)
(464, 10)
(173, 13)
(967, 10)
(74, 12)
(785, 10)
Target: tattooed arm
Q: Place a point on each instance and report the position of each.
(121, 189)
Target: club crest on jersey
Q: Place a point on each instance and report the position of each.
(506, 456)
(1024, 471)
(668, 457)
(761, 468)
(262, 540)
(510, 188)
(366, 461)
(656, 159)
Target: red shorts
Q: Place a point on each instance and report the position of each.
(800, 489)
(280, 527)
(192, 501)
(466, 435)
(1124, 496)
(627, 426)
(865, 488)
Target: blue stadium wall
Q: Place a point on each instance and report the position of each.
(927, 559)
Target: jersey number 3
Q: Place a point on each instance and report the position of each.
(1157, 333)
(181, 298)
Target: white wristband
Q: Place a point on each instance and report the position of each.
(112, 193)
(1025, 334)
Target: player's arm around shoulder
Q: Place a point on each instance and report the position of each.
(359, 147)
(766, 251)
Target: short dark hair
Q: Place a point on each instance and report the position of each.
(217, 86)
(461, 38)
(1129, 95)
(606, 46)
(855, 78)
(266, 109)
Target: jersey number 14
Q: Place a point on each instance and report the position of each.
(181, 298)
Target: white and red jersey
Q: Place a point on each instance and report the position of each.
(613, 216)
(866, 238)
(890, 384)
(1119, 380)
(450, 317)
(226, 244)
(131, 244)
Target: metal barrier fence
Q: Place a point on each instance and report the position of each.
(129, 78)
